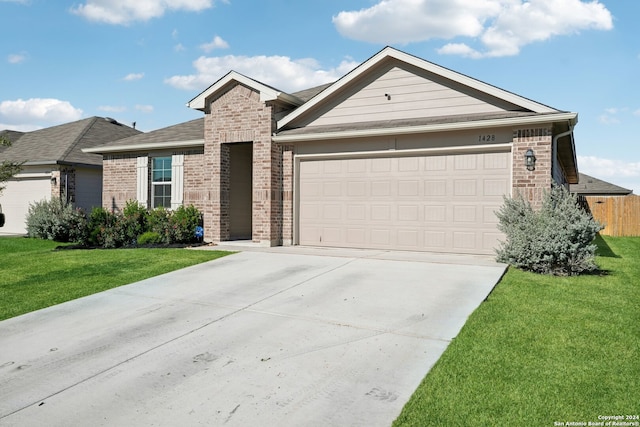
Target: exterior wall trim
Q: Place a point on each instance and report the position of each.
(407, 130)
(147, 146)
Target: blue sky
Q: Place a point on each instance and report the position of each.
(143, 61)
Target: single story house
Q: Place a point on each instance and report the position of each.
(55, 166)
(590, 186)
(399, 153)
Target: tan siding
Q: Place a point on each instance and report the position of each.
(410, 96)
(88, 191)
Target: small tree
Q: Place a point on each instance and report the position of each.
(8, 169)
(557, 239)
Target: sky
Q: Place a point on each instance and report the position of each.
(142, 61)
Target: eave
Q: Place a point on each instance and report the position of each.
(267, 93)
(429, 128)
(145, 147)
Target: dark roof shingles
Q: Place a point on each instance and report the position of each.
(64, 143)
(590, 186)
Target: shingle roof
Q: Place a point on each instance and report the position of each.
(306, 94)
(64, 143)
(590, 186)
(188, 131)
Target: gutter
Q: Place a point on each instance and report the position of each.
(145, 146)
(554, 145)
(407, 130)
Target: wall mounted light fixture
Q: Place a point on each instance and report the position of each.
(530, 160)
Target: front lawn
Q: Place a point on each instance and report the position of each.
(34, 275)
(543, 351)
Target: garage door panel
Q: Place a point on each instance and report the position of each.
(16, 198)
(442, 203)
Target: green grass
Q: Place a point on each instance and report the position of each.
(542, 350)
(34, 275)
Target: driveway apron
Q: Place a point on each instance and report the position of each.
(255, 338)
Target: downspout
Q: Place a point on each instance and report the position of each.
(554, 146)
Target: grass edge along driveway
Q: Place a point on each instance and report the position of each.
(543, 351)
(34, 275)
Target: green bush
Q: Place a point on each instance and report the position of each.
(184, 221)
(101, 221)
(160, 222)
(150, 238)
(59, 221)
(133, 222)
(56, 220)
(557, 239)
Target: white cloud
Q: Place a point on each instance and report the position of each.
(616, 115)
(608, 119)
(37, 112)
(133, 76)
(216, 43)
(145, 108)
(619, 172)
(124, 12)
(460, 49)
(16, 58)
(278, 71)
(112, 108)
(502, 27)
(179, 47)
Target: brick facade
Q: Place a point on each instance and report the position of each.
(240, 116)
(532, 184)
(63, 184)
(119, 178)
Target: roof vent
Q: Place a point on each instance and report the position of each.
(110, 120)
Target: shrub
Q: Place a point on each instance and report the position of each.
(56, 220)
(133, 222)
(184, 222)
(557, 239)
(160, 222)
(149, 238)
(100, 223)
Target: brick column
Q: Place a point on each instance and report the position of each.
(287, 195)
(239, 116)
(532, 184)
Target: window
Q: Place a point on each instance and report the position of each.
(166, 186)
(161, 182)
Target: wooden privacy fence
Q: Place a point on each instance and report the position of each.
(619, 214)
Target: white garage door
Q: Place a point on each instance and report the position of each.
(442, 203)
(16, 198)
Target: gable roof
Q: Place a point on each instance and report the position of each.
(63, 144)
(590, 186)
(267, 93)
(391, 54)
(187, 134)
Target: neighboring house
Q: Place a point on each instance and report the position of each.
(615, 207)
(400, 153)
(590, 186)
(56, 166)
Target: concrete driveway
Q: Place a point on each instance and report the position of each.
(278, 337)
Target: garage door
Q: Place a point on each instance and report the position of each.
(442, 203)
(16, 198)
